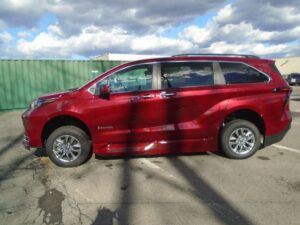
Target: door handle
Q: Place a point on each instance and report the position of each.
(167, 94)
(147, 96)
(135, 99)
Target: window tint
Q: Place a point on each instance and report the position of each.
(186, 74)
(236, 73)
(137, 78)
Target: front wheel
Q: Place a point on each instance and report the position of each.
(68, 146)
(240, 139)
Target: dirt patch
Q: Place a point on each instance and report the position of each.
(124, 188)
(109, 165)
(137, 168)
(294, 186)
(149, 176)
(157, 162)
(295, 114)
(263, 158)
(50, 204)
(291, 186)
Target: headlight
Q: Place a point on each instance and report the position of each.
(39, 102)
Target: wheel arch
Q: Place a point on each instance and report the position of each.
(62, 120)
(246, 114)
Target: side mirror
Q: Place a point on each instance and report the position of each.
(105, 92)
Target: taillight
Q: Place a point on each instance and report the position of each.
(281, 89)
(284, 89)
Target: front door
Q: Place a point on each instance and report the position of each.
(124, 118)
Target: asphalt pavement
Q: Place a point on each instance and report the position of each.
(186, 190)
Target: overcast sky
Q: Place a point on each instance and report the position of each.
(86, 28)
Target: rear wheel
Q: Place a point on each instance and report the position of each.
(240, 139)
(68, 146)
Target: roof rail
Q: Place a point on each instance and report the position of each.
(221, 55)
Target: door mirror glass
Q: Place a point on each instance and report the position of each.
(105, 92)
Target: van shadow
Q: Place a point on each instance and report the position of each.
(169, 155)
(222, 210)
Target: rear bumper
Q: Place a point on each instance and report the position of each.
(271, 139)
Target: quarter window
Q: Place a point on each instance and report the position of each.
(136, 78)
(236, 73)
(186, 74)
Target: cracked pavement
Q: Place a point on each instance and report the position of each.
(197, 189)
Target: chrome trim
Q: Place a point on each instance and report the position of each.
(165, 94)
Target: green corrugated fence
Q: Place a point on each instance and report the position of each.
(23, 80)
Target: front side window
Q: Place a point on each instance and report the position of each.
(186, 74)
(136, 78)
(236, 73)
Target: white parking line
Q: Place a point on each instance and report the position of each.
(156, 167)
(297, 123)
(287, 148)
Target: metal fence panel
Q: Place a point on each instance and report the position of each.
(23, 80)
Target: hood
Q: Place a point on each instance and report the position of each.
(56, 94)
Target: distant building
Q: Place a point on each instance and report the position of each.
(288, 65)
(125, 57)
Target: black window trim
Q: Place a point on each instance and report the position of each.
(156, 74)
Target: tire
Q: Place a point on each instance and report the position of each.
(240, 139)
(68, 146)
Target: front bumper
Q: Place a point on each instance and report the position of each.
(271, 139)
(33, 125)
(25, 142)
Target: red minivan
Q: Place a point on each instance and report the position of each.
(180, 104)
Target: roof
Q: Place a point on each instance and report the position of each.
(217, 55)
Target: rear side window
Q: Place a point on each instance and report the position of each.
(186, 74)
(237, 73)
